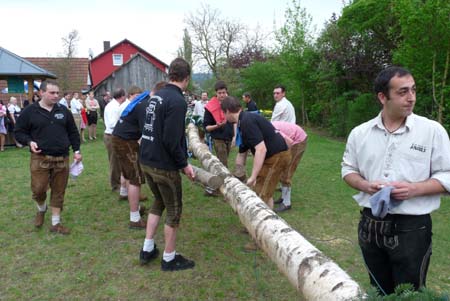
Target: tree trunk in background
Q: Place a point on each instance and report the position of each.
(444, 81)
(315, 276)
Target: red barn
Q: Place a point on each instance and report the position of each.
(115, 58)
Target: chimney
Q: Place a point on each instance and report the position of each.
(106, 45)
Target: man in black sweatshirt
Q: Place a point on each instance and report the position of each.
(163, 153)
(49, 129)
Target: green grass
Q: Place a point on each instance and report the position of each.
(99, 259)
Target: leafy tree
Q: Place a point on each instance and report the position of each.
(186, 53)
(297, 55)
(259, 79)
(425, 50)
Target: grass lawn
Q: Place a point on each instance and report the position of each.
(99, 259)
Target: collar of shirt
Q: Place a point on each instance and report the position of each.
(409, 124)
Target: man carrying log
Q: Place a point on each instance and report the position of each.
(271, 154)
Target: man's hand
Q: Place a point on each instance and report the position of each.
(403, 190)
(189, 172)
(221, 124)
(34, 147)
(77, 157)
(373, 187)
(251, 182)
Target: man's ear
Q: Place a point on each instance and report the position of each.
(382, 98)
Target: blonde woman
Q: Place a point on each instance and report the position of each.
(14, 112)
(92, 106)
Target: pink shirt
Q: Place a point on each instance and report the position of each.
(293, 131)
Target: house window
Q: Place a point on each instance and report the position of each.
(117, 59)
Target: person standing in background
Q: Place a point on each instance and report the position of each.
(92, 106)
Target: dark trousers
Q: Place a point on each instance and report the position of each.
(396, 249)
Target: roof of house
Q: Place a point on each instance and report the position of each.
(79, 67)
(134, 57)
(13, 65)
(139, 48)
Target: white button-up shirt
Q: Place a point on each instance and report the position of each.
(416, 152)
(112, 114)
(199, 108)
(283, 111)
(75, 106)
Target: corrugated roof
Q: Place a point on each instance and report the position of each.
(13, 65)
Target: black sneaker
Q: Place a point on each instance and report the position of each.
(146, 257)
(178, 263)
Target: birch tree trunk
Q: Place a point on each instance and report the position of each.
(314, 275)
(206, 178)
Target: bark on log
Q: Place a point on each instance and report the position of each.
(201, 151)
(314, 275)
(206, 178)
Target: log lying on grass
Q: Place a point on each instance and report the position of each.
(314, 275)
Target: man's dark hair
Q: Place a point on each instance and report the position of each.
(384, 77)
(47, 82)
(118, 93)
(283, 88)
(158, 86)
(65, 94)
(179, 70)
(246, 94)
(220, 85)
(230, 104)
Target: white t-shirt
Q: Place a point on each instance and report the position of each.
(112, 114)
(75, 106)
(283, 111)
(63, 102)
(199, 108)
(13, 109)
(416, 152)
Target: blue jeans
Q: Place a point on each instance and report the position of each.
(396, 249)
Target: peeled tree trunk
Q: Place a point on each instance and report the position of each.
(314, 275)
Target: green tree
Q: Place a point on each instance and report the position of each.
(186, 52)
(297, 56)
(425, 50)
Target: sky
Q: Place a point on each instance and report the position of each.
(31, 28)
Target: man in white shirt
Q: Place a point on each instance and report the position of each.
(112, 114)
(65, 100)
(75, 108)
(283, 110)
(199, 112)
(407, 157)
(199, 108)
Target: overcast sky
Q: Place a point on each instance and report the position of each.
(31, 28)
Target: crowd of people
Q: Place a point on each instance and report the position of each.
(400, 162)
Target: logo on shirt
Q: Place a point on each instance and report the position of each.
(59, 116)
(150, 115)
(418, 147)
